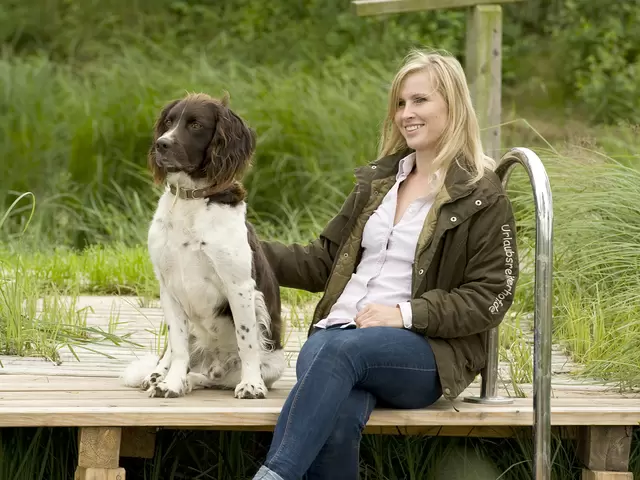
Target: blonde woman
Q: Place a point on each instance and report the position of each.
(417, 266)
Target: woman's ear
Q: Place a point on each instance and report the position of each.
(231, 147)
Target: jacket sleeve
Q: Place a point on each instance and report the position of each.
(307, 267)
(483, 299)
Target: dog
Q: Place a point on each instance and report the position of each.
(219, 296)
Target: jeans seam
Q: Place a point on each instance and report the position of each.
(402, 368)
(362, 419)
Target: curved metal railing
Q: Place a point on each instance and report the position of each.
(543, 319)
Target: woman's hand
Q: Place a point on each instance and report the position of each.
(375, 315)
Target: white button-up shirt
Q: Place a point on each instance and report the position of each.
(383, 275)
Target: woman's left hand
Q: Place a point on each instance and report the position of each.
(375, 315)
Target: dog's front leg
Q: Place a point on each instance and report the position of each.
(242, 302)
(174, 383)
(158, 373)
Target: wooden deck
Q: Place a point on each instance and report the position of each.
(34, 391)
(29, 400)
(87, 393)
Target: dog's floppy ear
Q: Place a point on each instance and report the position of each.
(231, 147)
(159, 174)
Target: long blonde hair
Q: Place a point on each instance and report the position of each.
(461, 136)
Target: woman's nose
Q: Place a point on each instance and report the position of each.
(407, 112)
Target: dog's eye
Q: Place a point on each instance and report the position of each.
(196, 126)
(167, 123)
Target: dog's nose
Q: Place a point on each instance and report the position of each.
(163, 143)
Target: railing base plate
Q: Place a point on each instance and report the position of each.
(489, 400)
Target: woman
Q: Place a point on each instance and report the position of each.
(418, 264)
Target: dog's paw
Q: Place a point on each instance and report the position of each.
(151, 380)
(170, 389)
(251, 390)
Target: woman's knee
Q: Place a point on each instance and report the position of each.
(335, 344)
(310, 349)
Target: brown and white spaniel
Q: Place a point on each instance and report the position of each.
(220, 298)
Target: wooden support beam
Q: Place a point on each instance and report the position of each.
(99, 454)
(483, 66)
(500, 431)
(366, 8)
(605, 452)
(591, 475)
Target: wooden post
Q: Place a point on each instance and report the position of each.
(365, 8)
(99, 454)
(483, 65)
(605, 451)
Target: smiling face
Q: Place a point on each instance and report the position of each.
(421, 112)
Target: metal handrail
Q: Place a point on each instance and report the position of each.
(543, 317)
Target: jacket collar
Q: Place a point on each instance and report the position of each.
(456, 179)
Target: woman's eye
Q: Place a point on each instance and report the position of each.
(196, 126)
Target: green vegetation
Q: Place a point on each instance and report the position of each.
(78, 96)
(208, 455)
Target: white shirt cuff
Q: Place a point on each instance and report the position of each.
(405, 310)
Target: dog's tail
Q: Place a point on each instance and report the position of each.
(136, 371)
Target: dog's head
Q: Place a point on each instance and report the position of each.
(203, 138)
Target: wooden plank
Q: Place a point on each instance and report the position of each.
(483, 66)
(71, 396)
(365, 8)
(224, 399)
(593, 475)
(191, 411)
(19, 386)
(431, 431)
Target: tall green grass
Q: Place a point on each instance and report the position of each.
(78, 140)
(50, 454)
(80, 147)
(596, 260)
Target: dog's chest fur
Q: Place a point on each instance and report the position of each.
(184, 237)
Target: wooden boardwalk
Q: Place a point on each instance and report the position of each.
(128, 316)
(114, 420)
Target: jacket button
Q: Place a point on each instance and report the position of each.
(374, 166)
(421, 271)
(478, 202)
(345, 255)
(447, 391)
(454, 219)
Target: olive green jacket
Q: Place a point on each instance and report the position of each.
(464, 273)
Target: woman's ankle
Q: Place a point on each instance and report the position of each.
(265, 473)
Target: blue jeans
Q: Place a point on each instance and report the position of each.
(342, 375)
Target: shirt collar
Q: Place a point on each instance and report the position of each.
(405, 166)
